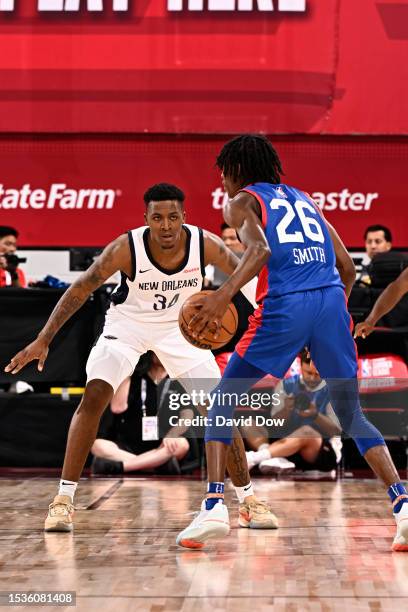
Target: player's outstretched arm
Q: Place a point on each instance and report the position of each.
(386, 302)
(241, 214)
(116, 256)
(344, 263)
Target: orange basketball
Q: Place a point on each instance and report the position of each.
(228, 327)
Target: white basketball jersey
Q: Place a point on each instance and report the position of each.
(155, 294)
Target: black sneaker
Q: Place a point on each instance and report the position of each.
(170, 468)
(106, 466)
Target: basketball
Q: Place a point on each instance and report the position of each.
(228, 326)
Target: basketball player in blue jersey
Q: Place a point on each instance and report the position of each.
(305, 277)
(161, 265)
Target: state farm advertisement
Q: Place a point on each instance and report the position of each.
(86, 191)
(204, 66)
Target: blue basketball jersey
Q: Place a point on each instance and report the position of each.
(302, 256)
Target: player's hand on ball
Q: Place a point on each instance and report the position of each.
(211, 310)
(36, 350)
(363, 329)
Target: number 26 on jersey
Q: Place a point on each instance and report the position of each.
(311, 227)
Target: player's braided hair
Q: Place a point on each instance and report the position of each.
(250, 158)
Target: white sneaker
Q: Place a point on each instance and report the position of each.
(207, 524)
(251, 461)
(276, 465)
(400, 542)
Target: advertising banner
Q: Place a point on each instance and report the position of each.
(86, 191)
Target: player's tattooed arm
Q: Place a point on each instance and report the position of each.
(217, 254)
(116, 256)
(344, 263)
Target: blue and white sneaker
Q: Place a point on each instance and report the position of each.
(207, 524)
(400, 542)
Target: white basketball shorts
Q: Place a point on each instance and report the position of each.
(122, 342)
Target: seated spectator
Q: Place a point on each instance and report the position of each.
(230, 239)
(10, 273)
(310, 424)
(128, 437)
(377, 239)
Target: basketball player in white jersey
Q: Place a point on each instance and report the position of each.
(161, 265)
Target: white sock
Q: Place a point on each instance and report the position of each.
(262, 454)
(243, 492)
(67, 487)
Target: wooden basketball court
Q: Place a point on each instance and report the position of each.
(332, 551)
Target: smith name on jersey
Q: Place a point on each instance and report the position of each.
(154, 294)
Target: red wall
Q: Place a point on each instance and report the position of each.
(365, 177)
(339, 67)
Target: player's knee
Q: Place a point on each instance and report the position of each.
(365, 444)
(97, 396)
(183, 449)
(363, 432)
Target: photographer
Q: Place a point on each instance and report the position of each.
(10, 273)
(310, 423)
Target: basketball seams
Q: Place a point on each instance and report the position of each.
(228, 327)
(234, 313)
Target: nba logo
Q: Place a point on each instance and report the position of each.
(281, 192)
(365, 368)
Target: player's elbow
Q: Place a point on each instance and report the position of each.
(261, 252)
